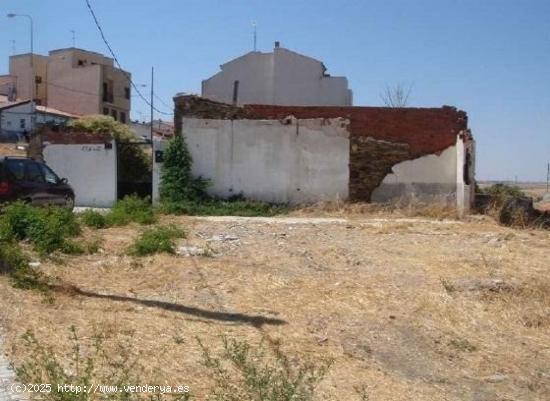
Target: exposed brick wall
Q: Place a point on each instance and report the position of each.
(425, 130)
(380, 137)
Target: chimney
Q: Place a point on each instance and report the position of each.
(277, 44)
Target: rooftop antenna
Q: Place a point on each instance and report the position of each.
(73, 32)
(255, 34)
(13, 49)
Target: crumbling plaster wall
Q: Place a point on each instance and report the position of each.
(393, 153)
(290, 161)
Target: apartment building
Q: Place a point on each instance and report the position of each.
(282, 77)
(76, 81)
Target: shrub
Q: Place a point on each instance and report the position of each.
(93, 219)
(155, 240)
(84, 367)
(503, 192)
(131, 209)
(177, 184)
(219, 207)
(15, 264)
(47, 228)
(242, 372)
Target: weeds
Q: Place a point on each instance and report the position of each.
(87, 366)
(156, 240)
(131, 209)
(242, 372)
(15, 264)
(93, 219)
(219, 207)
(47, 229)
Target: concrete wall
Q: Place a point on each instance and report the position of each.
(431, 177)
(90, 168)
(283, 77)
(291, 161)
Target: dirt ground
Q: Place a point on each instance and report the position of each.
(411, 308)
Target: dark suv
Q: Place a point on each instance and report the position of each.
(34, 182)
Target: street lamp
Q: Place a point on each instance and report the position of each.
(32, 83)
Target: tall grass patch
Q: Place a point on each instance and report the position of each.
(156, 240)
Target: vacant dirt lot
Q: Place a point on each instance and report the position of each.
(414, 309)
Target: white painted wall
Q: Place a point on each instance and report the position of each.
(292, 162)
(283, 77)
(90, 168)
(428, 177)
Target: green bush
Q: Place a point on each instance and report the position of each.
(15, 264)
(47, 228)
(177, 184)
(155, 240)
(242, 372)
(131, 209)
(93, 219)
(502, 192)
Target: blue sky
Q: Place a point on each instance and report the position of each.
(490, 58)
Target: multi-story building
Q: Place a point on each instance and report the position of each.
(73, 80)
(283, 77)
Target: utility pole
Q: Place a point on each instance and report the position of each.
(152, 96)
(548, 178)
(32, 82)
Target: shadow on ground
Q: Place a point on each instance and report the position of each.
(254, 320)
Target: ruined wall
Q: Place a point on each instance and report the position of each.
(384, 143)
(291, 161)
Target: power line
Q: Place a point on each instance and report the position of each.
(96, 21)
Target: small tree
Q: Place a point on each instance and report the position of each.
(177, 184)
(397, 96)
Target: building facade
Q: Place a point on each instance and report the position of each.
(76, 81)
(15, 118)
(282, 77)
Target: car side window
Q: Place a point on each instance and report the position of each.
(16, 168)
(49, 175)
(34, 173)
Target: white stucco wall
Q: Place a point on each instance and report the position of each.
(283, 77)
(432, 177)
(295, 161)
(90, 168)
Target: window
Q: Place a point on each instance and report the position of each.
(80, 62)
(127, 93)
(34, 173)
(105, 111)
(22, 123)
(123, 117)
(114, 114)
(108, 91)
(49, 175)
(16, 168)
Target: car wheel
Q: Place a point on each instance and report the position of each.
(69, 202)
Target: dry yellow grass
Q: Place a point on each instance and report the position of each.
(380, 295)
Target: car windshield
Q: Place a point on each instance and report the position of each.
(49, 175)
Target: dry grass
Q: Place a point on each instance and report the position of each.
(361, 209)
(367, 293)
